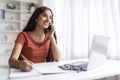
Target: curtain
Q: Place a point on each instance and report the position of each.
(78, 20)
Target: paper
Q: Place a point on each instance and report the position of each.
(48, 68)
(16, 73)
(39, 69)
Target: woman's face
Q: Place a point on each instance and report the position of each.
(45, 19)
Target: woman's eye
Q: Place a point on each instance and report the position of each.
(44, 16)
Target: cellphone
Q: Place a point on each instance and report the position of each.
(49, 28)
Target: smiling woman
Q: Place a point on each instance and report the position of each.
(35, 42)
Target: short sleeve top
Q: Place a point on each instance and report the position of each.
(32, 50)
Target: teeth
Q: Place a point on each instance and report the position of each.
(46, 24)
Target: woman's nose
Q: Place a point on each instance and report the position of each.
(49, 20)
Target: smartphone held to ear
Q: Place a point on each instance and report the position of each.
(49, 28)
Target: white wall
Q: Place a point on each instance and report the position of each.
(40, 2)
(48, 3)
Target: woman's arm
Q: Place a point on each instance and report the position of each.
(20, 64)
(53, 46)
(56, 52)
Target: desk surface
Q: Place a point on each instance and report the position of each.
(110, 68)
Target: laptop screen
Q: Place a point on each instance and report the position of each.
(97, 55)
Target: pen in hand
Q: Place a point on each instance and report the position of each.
(29, 63)
(25, 65)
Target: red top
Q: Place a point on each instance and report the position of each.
(32, 50)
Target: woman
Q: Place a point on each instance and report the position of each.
(37, 42)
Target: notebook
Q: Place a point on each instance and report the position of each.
(97, 55)
(39, 69)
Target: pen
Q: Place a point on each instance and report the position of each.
(29, 62)
(24, 58)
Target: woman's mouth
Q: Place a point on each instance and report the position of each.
(46, 23)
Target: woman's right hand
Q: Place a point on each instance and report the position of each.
(25, 65)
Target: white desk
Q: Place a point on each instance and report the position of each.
(110, 68)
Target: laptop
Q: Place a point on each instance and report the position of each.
(97, 55)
